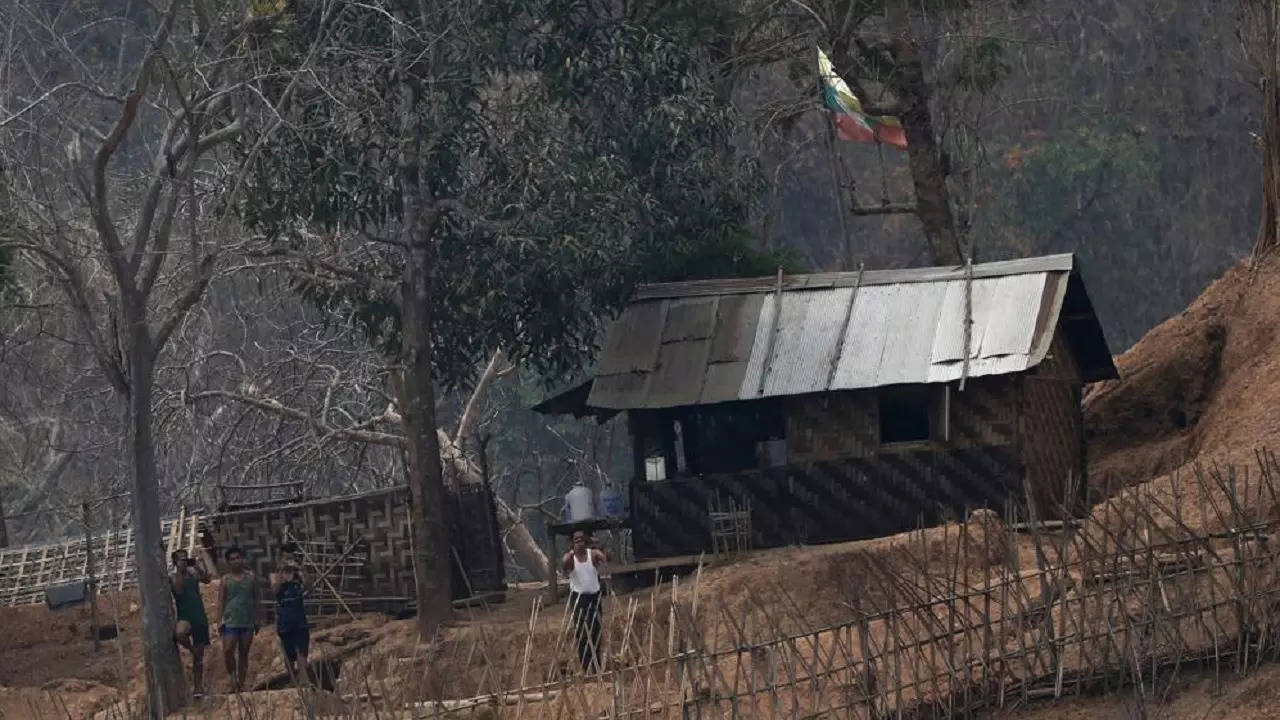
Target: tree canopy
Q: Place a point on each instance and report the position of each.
(568, 160)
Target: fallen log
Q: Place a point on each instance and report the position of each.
(324, 669)
(493, 700)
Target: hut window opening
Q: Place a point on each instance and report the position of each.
(726, 438)
(905, 415)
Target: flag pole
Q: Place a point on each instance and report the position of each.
(837, 178)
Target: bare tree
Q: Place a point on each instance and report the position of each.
(324, 395)
(1262, 21)
(112, 199)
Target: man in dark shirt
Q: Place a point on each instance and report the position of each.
(289, 585)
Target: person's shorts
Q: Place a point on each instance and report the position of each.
(295, 641)
(200, 634)
(236, 632)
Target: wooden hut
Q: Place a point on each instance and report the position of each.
(848, 405)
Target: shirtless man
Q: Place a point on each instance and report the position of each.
(582, 564)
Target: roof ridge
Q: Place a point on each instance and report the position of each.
(1062, 262)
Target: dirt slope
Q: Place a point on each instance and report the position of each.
(1204, 384)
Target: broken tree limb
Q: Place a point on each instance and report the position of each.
(466, 424)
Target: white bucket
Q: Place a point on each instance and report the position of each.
(655, 469)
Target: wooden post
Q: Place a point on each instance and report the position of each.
(4, 530)
(968, 319)
(553, 585)
(92, 580)
(773, 333)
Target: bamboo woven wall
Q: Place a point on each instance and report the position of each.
(1052, 429)
(364, 537)
(843, 484)
(834, 426)
(365, 542)
(361, 543)
(847, 499)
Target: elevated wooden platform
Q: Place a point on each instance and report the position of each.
(590, 526)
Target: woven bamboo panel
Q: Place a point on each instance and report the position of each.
(477, 540)
(985, 414)
(362, 541)
(670, 517)
(1052, 431)
(372, 530)
(832, 425)
(827, 501)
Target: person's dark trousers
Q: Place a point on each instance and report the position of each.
(587, 626)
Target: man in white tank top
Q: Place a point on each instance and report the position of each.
(582, 565)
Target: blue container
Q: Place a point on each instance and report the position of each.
(611, 502)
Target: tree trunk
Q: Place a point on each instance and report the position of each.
(433, 578)
(166, 690)
(1269, 223)
(426, 480)
(928, 171)
(4, 529)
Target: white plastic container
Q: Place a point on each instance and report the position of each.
(580, 502)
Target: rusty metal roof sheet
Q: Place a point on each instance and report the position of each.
(715, 341)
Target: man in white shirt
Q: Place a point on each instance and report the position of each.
(582, 565)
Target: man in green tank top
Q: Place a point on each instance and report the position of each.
(239, 609)
(192, 629)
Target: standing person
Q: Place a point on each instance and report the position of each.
(582, 564)
(192, 629)
(289, 584)
(238, 606)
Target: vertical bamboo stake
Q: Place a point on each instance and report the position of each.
(671, 637)
(92, 578)
(528, 652)
(649, 659)
(986, 609)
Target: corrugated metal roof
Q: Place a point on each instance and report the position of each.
(819, 281)
(715, 341)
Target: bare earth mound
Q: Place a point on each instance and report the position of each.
(1204, 384)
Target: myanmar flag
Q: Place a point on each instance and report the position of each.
(852, 123)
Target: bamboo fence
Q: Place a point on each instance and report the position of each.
(1152, 585)
(25, 572)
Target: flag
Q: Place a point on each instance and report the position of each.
(852, 123)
